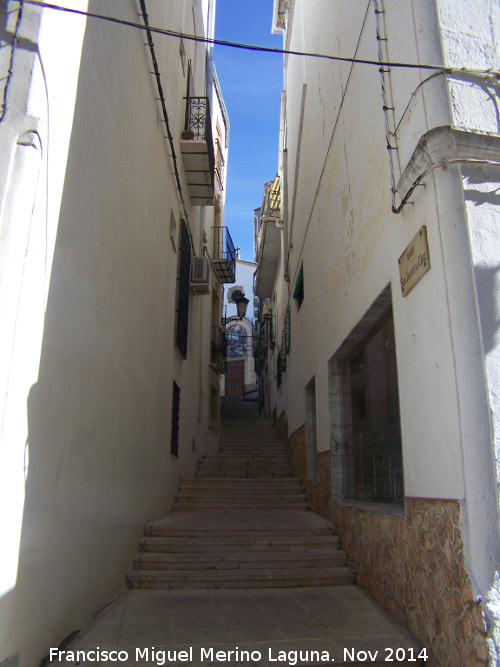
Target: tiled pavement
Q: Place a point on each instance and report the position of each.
(341, 620)
(340, 624)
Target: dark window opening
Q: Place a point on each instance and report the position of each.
(377, 468)
(183, 290)
(298, 292)
(174, 438)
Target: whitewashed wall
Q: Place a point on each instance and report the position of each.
(339, 176)
(89, 330)
(471, 34)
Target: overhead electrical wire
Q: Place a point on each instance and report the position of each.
(262, 49)
(330, 144)
(162, 101)
(11, 63)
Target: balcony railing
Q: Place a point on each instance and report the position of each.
(218, 349)
(224, 255)
(271, 206)
(219, 164)
(268, 238)
(198, 118)
(197, 150)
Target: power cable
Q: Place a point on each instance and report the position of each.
(161, 99)
(263, 49)
(11, 61)
(334, 131)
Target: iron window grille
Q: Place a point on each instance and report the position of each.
(280, 367)
(218, 349)
(199, 124)
(287, 331)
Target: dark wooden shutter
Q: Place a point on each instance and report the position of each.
(176, 401)
(183, 291)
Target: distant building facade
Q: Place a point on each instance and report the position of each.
(113, 255)
(378, 280)
(239, 379)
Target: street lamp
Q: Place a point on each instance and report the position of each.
(241, 306)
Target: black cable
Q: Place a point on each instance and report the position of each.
(265, 49)
(161, 99)
(11, 61)
(339, 111)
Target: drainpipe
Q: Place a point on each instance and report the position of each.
(210, 51)
(284, 186)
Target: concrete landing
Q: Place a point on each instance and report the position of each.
(341, 620)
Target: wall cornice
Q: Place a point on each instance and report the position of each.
(443, 146)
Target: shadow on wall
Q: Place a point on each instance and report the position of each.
(488, 308)
(94, 418)
(486, 274)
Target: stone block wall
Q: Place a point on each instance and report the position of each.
(319, 490)
(414, 567)
(412, 564)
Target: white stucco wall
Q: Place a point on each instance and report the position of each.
(243, 278)
(339, 175)
(353, 241)
(89, 324)
(471, 36)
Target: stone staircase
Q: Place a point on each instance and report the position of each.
(242, 522)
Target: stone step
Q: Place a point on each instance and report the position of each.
(244, 465)
(238, 472)
(272, 578)
(172, 544)
(206, 493)
(238, 508)
(225, 452)
(176, 545)
(250, 439)
(237, 497)
(244, 446)
(238, 560)
(249, 434)
(261, 446)
(238, 452)
(255, 436)
(246, 535)
(245, 459)
(243, 521)
(250, 483)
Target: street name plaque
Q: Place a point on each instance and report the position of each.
(414, 262)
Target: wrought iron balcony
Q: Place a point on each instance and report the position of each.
(271, 205)
(197, 150)
(218, 349)
(224, 255)
(219, 164)
(268, 239)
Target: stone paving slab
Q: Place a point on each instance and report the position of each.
(329, 625)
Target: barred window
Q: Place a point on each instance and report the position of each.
(174, 438)
(183, 290)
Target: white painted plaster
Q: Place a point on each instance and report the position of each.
(343, 233)
(87, 292)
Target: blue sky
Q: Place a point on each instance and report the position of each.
(251, 85)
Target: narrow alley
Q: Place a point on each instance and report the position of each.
(250, 332)
(242, 564)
